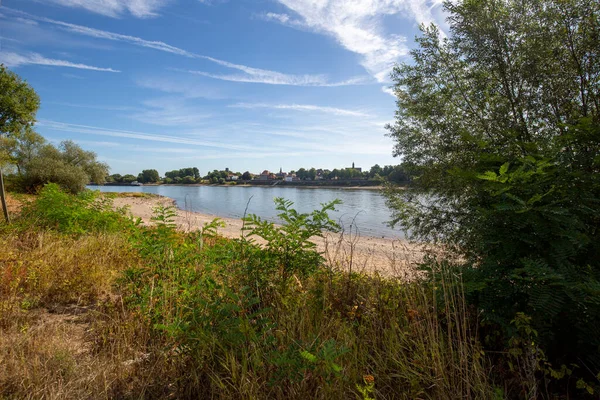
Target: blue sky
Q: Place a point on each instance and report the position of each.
(243, 84)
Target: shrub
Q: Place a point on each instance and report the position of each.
(86, 212)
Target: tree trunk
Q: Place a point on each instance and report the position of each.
(3, 197)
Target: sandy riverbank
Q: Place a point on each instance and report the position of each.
(369, 254)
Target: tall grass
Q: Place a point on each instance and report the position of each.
(157, 313)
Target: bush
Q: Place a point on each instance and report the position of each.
(86, 212)
(69, 166)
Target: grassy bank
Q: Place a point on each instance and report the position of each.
(92, 305)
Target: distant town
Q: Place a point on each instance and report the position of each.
(303, 176)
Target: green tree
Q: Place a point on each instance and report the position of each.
(68, 165)
(18, 105)
(21, 147)
(302, 174)
(148, 176)
(128, 178)
(246, 176)
(498, 126)
(117, 178)
(375, 170)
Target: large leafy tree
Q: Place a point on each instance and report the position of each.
(18, 106)
(22, 147)
(68, 165)
(148, 176)
(498, 125)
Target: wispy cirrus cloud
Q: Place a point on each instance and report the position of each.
(249, 74)
(116, 8)
(388, 90)
(12, 59)
(256, 75)
(357, 26)
(304, 107)
(181, 87)
(170, 112)
(94, 130)
(94, 106)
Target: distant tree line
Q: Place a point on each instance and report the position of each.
(184, 175)
(392, 173)
(191, 175)
(220, 177)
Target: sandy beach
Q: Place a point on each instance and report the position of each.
(389, 257)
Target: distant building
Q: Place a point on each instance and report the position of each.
(281, 174)
(359, 169)
(264, 176)
(291, 178)
(232, 177)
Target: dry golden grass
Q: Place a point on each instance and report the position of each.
(15, 202)
(67, 333)
(51, 289)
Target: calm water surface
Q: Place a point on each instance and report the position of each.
(366, 207)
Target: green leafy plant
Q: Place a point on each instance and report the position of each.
(288, 247)
(86, 212)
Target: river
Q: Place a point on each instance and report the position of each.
(366, 208)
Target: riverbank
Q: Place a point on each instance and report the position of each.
(386, 256)
(247, 185)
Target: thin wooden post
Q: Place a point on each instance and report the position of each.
(3, 197)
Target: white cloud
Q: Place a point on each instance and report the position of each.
(26, 21)
(116, 8)
(182, 87)
(169, 112)
(73, 76)
(357, 26)
(388, 90)
(304, 107)
(256, 75)
(3, 38)
(269, 77)
(14, 60)
(93, 106)
(281, 18)
(249, 74)
(93, 130)
(211, 2)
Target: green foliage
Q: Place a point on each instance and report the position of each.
(499, 127)
(18, 103)
(539, 237)
(289, 249)
(128, 178)
(21, 147)
(148, 176)
(69, 166)
(86, 212)
(187, 175)
(235, 328)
